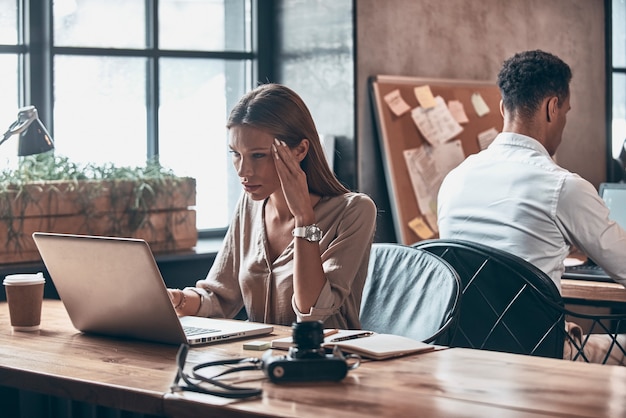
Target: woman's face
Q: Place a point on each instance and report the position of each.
(252, 156)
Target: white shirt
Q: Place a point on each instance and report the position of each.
(514, 197)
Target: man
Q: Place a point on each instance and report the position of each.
(514, 197)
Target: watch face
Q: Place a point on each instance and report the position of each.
(313, 233)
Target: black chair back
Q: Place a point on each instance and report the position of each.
(507, 304)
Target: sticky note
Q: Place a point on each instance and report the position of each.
(256, 345)
(486, 137)
(425, 97)
(396, 103)
(480, 106)
(421, 228)
(457, 110)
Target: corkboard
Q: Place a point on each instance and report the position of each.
(399, 133)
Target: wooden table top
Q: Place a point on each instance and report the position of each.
(593, 291)
(136, 376)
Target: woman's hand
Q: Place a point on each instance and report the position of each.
(184, 303)
(293, 182)
(175, 296)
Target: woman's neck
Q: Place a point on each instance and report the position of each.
(276, 208)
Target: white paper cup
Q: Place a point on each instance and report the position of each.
(25, 297)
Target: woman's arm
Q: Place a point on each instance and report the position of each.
(218, 295)
(347, 244)
(308, 275)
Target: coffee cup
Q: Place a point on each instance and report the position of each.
(24, 297)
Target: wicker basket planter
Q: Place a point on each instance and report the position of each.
(159, 211)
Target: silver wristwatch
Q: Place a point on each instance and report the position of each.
(310, 233)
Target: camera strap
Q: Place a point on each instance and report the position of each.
(196, 382)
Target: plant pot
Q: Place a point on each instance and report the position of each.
(158, 211)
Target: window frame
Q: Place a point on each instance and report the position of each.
(36, 51)
(611, 70)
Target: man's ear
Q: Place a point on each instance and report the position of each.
(552, 108)
(302, 149)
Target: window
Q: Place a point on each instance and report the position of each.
(618, 75)
(128, 80)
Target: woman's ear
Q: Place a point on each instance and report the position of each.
(301, 150)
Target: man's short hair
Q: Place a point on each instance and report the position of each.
(529, 77)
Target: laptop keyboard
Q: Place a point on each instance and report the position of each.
(587, 269)
(191, 331)
(586, 272)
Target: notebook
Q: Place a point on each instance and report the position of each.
(113, 286)
(614, 196)
(367, 344)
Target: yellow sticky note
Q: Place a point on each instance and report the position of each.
(425, 97)
(420, 227)
(480, 106)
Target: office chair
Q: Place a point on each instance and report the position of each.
(510, 305)
(410, 292)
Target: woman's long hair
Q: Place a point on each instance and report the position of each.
(279, 111)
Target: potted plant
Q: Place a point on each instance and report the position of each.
(50, 193)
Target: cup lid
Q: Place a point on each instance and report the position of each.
(23, 279)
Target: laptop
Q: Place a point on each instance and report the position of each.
(614, 196)
(113, 286)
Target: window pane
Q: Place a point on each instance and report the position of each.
(9, 104)
(209, 25)
(619, 112)
(8, 22)
(196, 97)
(619, 33)
(9, 100)
(100, 109)
(100, 23)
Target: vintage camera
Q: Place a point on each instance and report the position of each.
(307, 360)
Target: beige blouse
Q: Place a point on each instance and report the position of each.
(243, 276)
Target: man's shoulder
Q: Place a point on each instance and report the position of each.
(574, 186)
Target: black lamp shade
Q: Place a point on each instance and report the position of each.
(34, 140)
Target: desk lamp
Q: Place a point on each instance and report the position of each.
(34, 138)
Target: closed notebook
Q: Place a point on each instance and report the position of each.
(375, 346)
(382, 346)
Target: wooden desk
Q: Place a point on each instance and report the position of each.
(136, 376)
(62, 362)
(593, 291)
(590, 290)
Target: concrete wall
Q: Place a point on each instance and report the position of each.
(465, 39)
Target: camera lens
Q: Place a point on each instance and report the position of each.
(308, 335)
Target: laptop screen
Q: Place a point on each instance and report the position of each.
(614, 196)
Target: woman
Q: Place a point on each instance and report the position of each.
(299, 242)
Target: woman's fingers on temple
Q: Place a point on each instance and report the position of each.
(282, 154)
